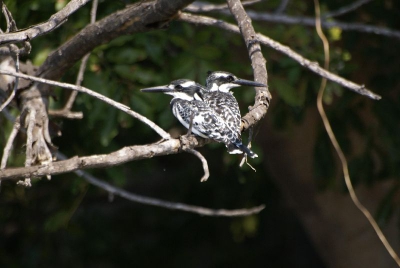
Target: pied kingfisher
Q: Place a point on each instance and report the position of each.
(221, 100)
(189, 108)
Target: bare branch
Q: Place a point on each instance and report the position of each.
(29, 141)
(82, 67)
(200, 6)
(162, 203)
(308, 21)
(55, 21)
(359, 27)
(11, 25)
(139, 17)
(137, 152)
(204, 163)
(66, 111)
(15, 55)
(103, 98)
(346, 9)
(7, 148)
(313, 66)
(263, 96)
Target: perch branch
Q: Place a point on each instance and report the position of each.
(162, 203)
(263, 96)
(313, 66)
(92, 93)
(130, 153)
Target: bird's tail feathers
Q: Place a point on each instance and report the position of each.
(239, 148)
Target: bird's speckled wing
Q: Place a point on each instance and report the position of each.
(206, 122)
(226, 106)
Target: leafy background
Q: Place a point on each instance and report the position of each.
(67, 222)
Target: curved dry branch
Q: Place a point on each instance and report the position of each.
(307, 21)
(313, 66)
(40, 29)
(139, 17)
(162, 203)
(203, 162)
(263, 96)
(92, 93)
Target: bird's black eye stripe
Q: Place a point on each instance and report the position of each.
(230, 78)
(178, 87)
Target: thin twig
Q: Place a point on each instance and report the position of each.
(10, 22)
(337, 147)
(7, 148)
(313, 66)
(162, 203)
(200, 6)
(14, 52)
(66, 113)
(43, 28)
(308, 21)
(92, 93)
(203, 162)
(282, 6)
(82, 67)
(29, 140)
(346, 9)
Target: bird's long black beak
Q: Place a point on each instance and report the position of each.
(162, 89)
(243, 82)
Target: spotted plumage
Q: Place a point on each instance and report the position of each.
(188, 105)
(220, 99)
(211, 112)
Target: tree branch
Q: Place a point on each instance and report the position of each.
(308, 21)
(346, 9)
(40, 29)
(105, 99)
(139, 17)
(203, 162)
(66, 110)
(313, 66)
(162, 203)
(137, 152)
(263, 96)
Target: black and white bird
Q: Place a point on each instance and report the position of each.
(222, 101)
(190, 109)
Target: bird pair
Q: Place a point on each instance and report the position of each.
(211, 112)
